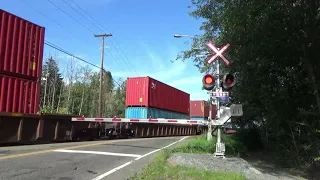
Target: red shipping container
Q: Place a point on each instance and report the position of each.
(200, 108)
(214, 111)
(19, 95)
(148, 92)
(21, 46)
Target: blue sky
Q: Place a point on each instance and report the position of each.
(142, 30)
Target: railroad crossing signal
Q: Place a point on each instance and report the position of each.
(228, 81)
(218, 53)
(208, 82)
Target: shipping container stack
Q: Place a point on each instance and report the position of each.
(147, 97)
(21, 51)
(199, 110)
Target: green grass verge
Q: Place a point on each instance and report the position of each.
(200, 145)
(160, 168)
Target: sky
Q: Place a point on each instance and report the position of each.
(142, 43)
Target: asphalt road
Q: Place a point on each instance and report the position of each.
(92, 160)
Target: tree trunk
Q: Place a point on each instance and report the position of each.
(58, 105)
(81, 100)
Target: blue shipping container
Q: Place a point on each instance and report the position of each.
(145, 113)
(198, 118)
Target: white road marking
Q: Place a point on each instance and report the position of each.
(112, 171)
(160, 149)
(126, 164)
(97, 152)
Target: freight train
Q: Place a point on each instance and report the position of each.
(148, 98)
(21, 56)
(21, 53)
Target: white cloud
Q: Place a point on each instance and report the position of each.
(191, 85)
(155, 65)
(186, 81)
(168, 72)
(199, 95)
(171, 71)
(156, 60)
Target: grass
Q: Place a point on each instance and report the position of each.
(200, 145)
(160, 168)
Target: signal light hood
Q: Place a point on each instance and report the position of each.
(228, 81)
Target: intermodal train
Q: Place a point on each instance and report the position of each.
(21, 57)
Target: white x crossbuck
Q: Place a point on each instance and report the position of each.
(218, 53)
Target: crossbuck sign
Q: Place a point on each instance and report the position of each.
(218, 53)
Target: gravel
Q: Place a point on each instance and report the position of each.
(211, 163)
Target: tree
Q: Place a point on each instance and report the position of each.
(77, 93)
(120, 99)
(51, 84)
(274, 52)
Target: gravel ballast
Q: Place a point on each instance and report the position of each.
(211, 163)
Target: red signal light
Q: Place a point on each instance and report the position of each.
(228, 81)
(208, 82)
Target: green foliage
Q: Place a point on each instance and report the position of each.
(78, 92)
(159, 168)
(44, 109)
(51, 83)
(200, 144)
(250, 138)
(274, 53)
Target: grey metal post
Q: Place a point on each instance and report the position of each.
(219, 146)
(209, 133)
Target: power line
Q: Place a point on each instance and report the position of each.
(81, 23)
(103, 28)
(86, 13)
(76, 57)
(80, 13)
(70, 16)
(86, 42)
(60, 49)
(66, 52)
(50, 19)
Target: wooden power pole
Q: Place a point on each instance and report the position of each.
(101, 70)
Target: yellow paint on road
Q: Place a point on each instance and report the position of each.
(70, 147)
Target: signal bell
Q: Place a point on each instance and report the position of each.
(208, 82)
(228, 81)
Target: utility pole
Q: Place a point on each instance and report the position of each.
(101, 71)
